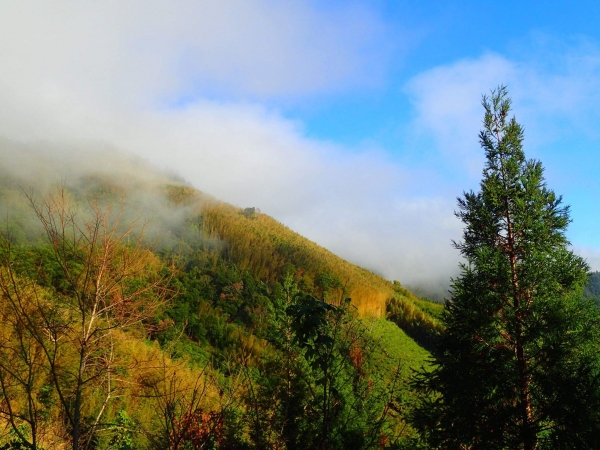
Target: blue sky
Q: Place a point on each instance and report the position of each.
(442, 33)
(354, 123)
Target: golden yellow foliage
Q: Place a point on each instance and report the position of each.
(263, 245)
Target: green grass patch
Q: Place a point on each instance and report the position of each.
(395, 347)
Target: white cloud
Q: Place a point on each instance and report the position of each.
(447, 102)
(555, 90)
(106, 72)
(128, 53)
(591, 255)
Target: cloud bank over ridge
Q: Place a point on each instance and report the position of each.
(200, 87)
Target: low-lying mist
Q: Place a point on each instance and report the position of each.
(122, 184)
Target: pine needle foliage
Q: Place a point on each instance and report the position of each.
(518, 365)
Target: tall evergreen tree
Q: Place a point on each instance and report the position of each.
(518, 365)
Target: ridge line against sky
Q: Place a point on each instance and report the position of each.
(354, 123)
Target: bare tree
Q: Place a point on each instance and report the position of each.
(190, 408)
(104, 280)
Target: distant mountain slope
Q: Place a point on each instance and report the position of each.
(592, 289)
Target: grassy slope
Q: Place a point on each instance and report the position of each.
(398, 346)
(259, 243)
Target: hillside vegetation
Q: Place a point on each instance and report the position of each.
(140, 313)
(263, 245)
(592, 288)
(257, 242)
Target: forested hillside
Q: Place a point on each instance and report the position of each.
(138, 312)
(592, 289)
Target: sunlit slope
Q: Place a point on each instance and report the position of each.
(260, 243)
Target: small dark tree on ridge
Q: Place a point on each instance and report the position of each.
(518, 365)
